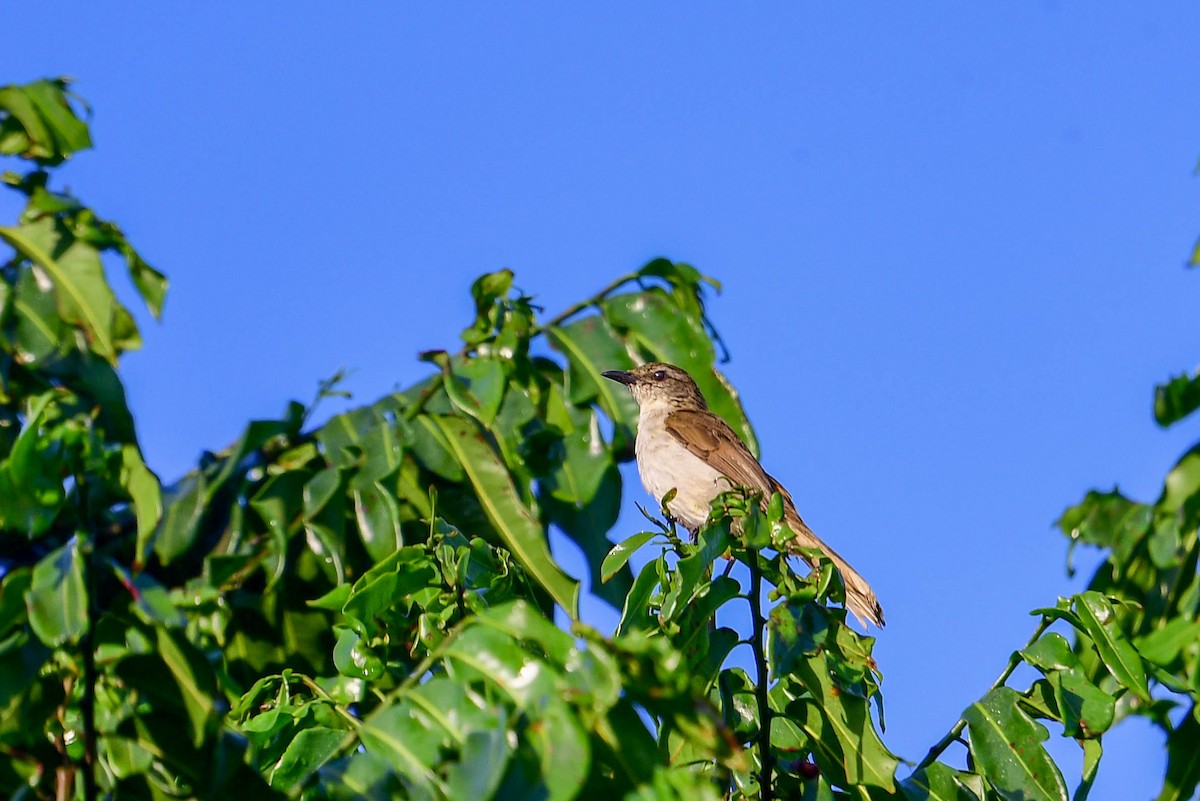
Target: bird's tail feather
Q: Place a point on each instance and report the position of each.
(860, 598)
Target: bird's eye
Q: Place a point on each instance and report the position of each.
(659, 375)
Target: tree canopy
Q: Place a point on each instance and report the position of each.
(366, 607)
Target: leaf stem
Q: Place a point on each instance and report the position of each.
(761, 689)
(88, 645)
(954, 735)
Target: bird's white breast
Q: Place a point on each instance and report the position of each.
(665, 464)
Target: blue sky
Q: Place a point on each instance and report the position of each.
(951, 239)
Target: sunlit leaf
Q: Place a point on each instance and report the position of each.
(1007, 747)
(516, 525)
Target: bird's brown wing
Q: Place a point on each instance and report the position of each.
(710, 438)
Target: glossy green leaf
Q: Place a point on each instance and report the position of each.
(837, 721)
(476, 387)
(125, 756)
(146, 494)
(1099, 620)
(487, 654)
(31, 478)
(518, 528)
(39, 333)
(1092, 751)
(621, 553)
(433, 451)
(310, 749)
(636, 614)
(582, 496)
(83, 296)
(1007, 747)
(184, 508)
(403, 739)
(364, 438)
(592, 347)
(378, 518)
(57, 596)
(1163, 646)
(936, 782)
(1183, 482)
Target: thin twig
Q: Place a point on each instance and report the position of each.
(954, 735)
(571, 311)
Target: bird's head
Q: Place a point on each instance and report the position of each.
(658, 384)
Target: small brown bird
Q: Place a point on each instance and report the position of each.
(681, 445)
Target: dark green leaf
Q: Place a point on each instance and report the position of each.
(1092, 751)
(57, 596)
(518, 528)
(185, 508)
(81, 292)
(1176, 399)
(592, 347)
(309, 750)
(46, 129)
(1099, 620)
(621, 553)
(1007, 747)
(937, 782)
(146, 494)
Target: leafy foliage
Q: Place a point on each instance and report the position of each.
(366, 608)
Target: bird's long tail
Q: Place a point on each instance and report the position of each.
(860, 598)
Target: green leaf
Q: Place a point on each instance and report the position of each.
(46, 128)
(582, 496)
(1107, 519)
(378, 517)
(621, 553)
(521, 532)
(476, 387)
(39, 333)
(146, 494)
(1092, 751)
(185, 507)
(194, 686)
(836, 718)
(636, 614)
(1116, 651)
(1007, 747)
(309, 750)
(486, 654)
(592, 347)
(57, 596)
(31, 478)
(83, 296)
(1183, 760)
(936, 782)
(1163, 646)
(1176, 399)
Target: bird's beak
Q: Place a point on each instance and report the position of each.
(620, 376)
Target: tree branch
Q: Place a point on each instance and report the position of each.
(954, 735)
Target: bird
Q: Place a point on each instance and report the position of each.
(682, 446)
